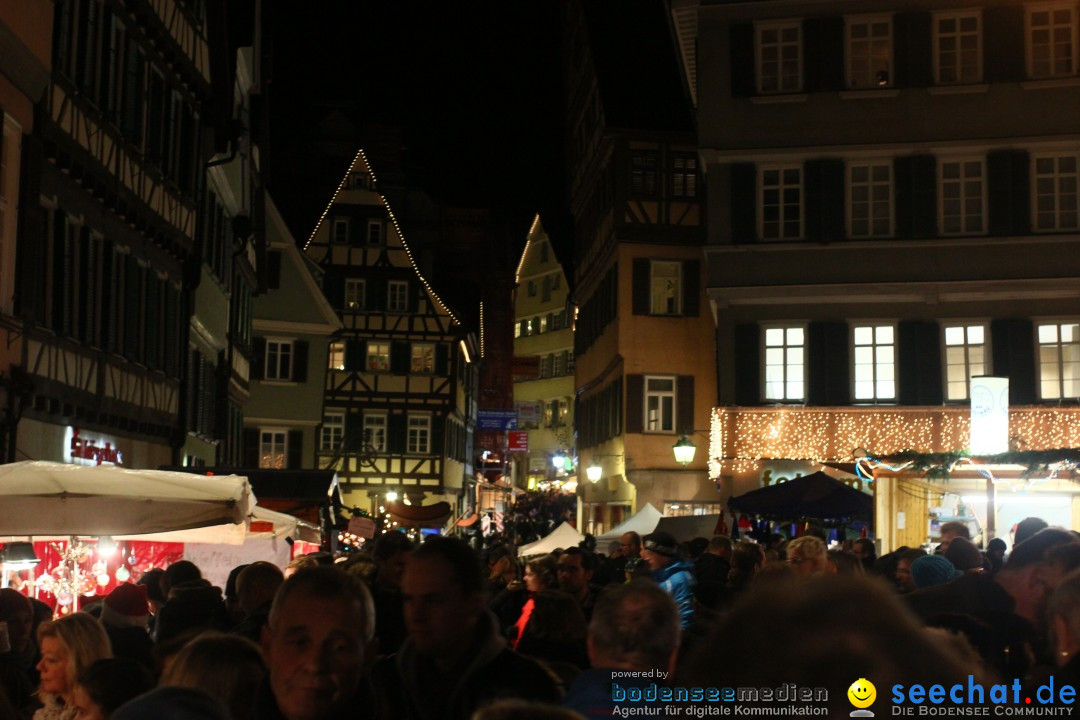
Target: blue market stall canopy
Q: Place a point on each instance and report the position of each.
(812, 496)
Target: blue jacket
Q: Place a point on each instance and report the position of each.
(677, 580)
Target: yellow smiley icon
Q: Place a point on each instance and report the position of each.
(862, 693)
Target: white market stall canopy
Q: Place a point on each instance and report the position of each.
(262, 524)
(562, 537)
(46, 498)
(643, 522)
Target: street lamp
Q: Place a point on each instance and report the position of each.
(559, 460)
(684, 450)
(593, 472)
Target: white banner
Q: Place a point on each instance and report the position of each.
(989, 415)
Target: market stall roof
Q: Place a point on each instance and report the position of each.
(685, 528)
(47, 498)
(811, 496)
(562, 537)
(643, 522)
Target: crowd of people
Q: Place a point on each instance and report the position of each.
(441, 631)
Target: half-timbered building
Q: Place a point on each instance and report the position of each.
(399, 407)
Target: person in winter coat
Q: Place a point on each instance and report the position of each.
(660, 552)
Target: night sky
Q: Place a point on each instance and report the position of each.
(474, 89)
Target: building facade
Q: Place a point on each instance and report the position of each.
(401, 374)
(543, 367)
(892, 210)
(644, 375)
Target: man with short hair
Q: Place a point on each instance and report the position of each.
(948, 531)
(454, 659)
(634, 629)
(711, 570)
(575, 568)
(316, 646)
(661, 553)
(256, 586)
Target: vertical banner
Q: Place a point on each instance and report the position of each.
(989, 415)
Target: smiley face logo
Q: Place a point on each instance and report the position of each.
(862, 693)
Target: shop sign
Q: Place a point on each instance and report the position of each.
(83, 450)
(518, 441)
(529, 412)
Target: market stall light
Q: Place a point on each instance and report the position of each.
(391, 496)
(594, 473)
(684, 451)
(19, 556)
(106, 546)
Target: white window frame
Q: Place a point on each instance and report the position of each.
(279, 352)
(335, 355)
(882, 362)
(374, 429)
(339, 221)
(772, 52)
(660, 395)
(873, 210)
(374, 350)
(660, 297)
(419, 354)
(418, 434)
(1039, 73)
(789, 348)
(397, 296)
(333, 430)
(542, 324)
(374, 235)
(355, 289)
(962, 338)
(962, 181)
(870, 75)
(1061, 355)
(273, 448)
(1060, 194)
(783, 209)
(957, 35)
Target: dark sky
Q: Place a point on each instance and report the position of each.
(474, 87)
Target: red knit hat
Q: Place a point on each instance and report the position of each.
(126, 606)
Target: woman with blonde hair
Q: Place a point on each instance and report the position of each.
(228, 667)
(808, 555)
(68, 647)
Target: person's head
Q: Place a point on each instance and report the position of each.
(232, 603)
(18, 613)
(173, 703)
(931, 570)
(1028, 527)
(575, 570)
(181, 571)
(845, 563)
(630, 544)
(68, 646)
(614, 549)
(904, 581)
(315, 643)
(807, 556)
(391, 550)
(229, 667)
(864, 550)
(106, 685)
(151, 580)
(995, 549)
(1034, 569)
(299, 563)
(658, 550)
(950, 530)
(257, 584)
(635, 626)
(964, 556)
(746, 559)
(443, 589)
(126, 606)
(720, 545)
(540, 573)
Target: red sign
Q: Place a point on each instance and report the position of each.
(517, 441)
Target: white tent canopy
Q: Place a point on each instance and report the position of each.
(562, 537)
(643, 522)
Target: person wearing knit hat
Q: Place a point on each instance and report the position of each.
(964, 556)
(125, 613)
(659, 550)
(931, 570)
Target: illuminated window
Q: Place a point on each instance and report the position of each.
(781, 203)
(333, 430)
(963, 197)
(665, 287)
(375, 431)
(279, 354)
(659, 404)
(1051, 30)
(1059, 360)
(875, 362)
(354, 294)
(336, 356)
(378, 356)
(423, 358)
(419, 434)
(785, 363)
(273, 448)
(869, 52)
(779, 57)
(1057, 193)
(870, 200)
(542, 324)
(965, 357)
(397, 296)
(958, 47)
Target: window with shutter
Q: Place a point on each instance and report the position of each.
(958, 47)
(869, 52)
